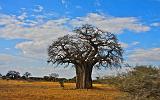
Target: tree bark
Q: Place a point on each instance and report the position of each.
(83, 77)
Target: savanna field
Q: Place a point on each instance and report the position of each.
(23, 90)
(79, 50)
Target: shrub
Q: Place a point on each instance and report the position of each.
(142, 83)
(61, 82)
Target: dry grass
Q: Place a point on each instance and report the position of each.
(21, 90)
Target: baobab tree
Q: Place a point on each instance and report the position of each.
(89, 47)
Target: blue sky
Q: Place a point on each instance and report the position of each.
(27, 27)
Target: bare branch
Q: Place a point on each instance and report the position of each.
(89, 46)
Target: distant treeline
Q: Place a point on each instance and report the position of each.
(14, 75)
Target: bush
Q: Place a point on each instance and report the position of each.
(61, 82)
(142, 83)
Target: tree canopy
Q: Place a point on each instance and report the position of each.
(27, 74)
(13, 74)
(89, 44)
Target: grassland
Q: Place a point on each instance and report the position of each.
(22, 90)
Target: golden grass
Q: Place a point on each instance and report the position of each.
(22, 90)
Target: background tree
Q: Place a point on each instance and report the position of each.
(0, 75)
(26, 75)
(13, 74)
(89, 47)
(53, 76)
(72, 79)
(46, 78)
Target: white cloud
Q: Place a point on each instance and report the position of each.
(145, 56)
(39, 33)
(10, 27)
(110, 72)
(156, 24)
(38, 8)
(22, 16)
(5, 58)
(33, 49)
(41, 36)
(135, 43)
(110, 23)
(7, 48)
(78, 7)
(129, 45)
(14, 60)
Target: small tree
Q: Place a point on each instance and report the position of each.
(61, 82)
(13, 74)
(0, 75)
(89, 47)
(72, 79)
(46, 78)
(26, 75)
(53, 76)
(97, 78)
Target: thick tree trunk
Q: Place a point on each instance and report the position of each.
(83, 77)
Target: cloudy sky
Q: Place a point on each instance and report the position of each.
(27, 27)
